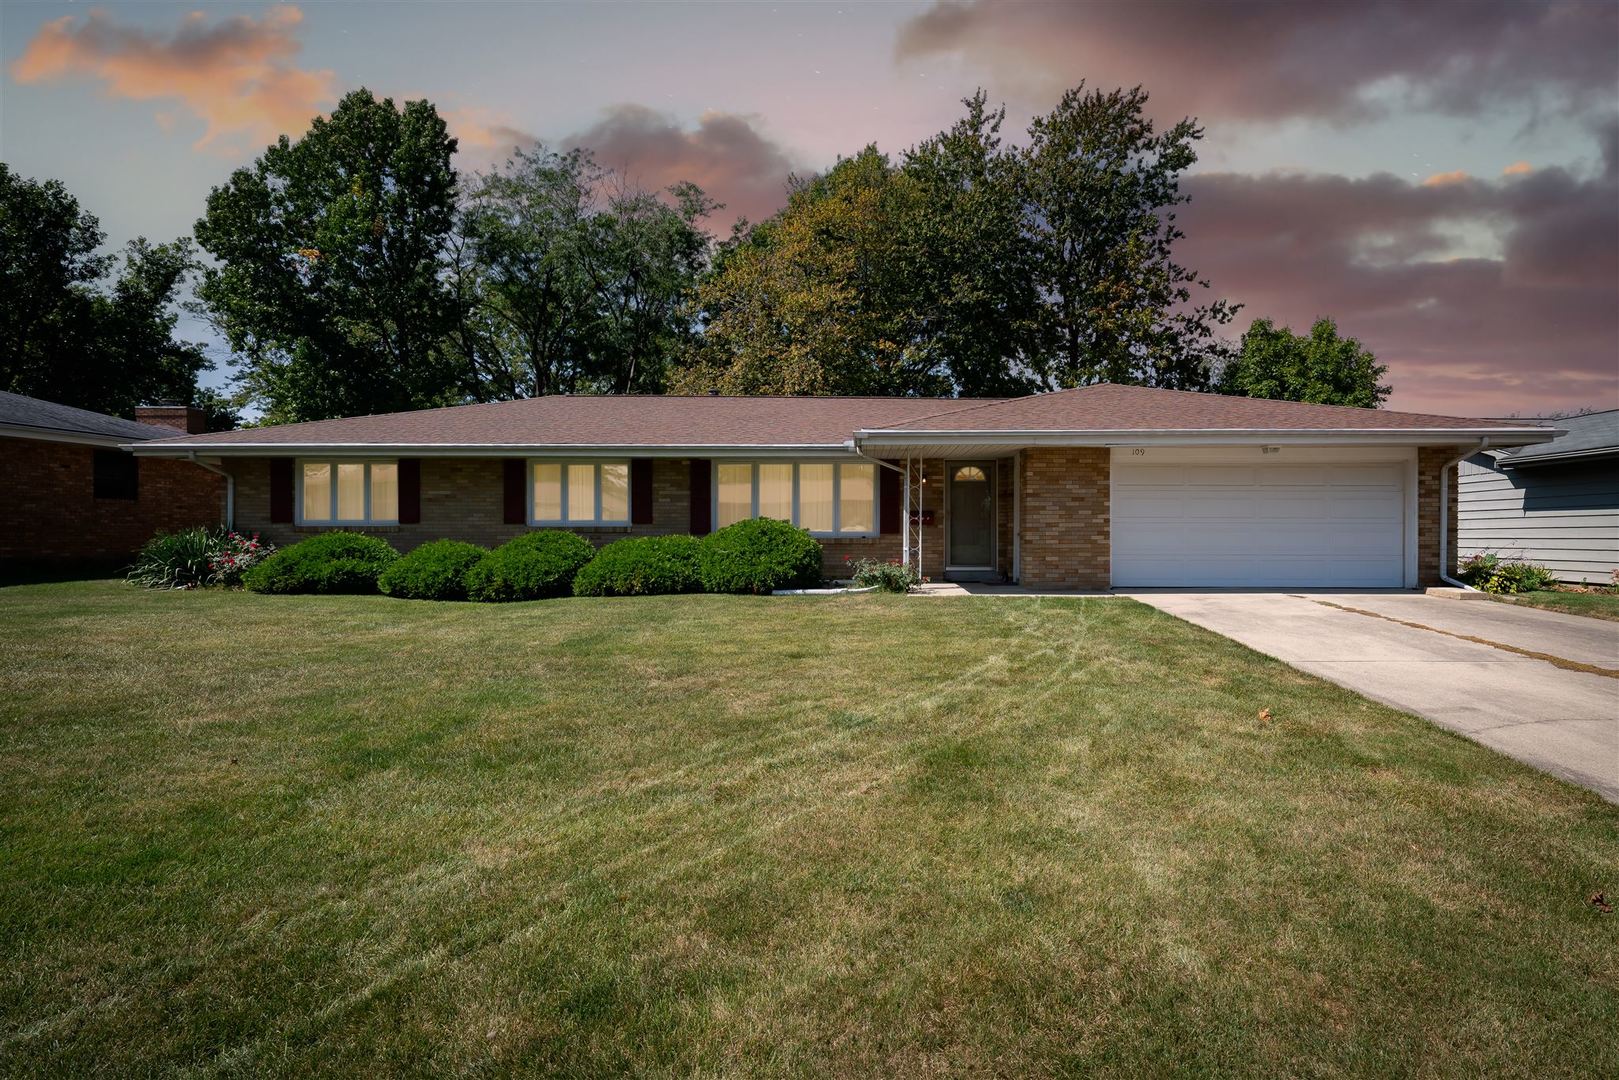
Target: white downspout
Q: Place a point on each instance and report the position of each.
(1444, 512)
(230, 489)
(1017, 516)
(904, 497)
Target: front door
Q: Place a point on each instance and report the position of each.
(972, 514)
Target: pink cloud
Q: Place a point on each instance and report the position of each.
(235, 74)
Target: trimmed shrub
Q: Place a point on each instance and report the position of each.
(334, 562)
(759, 555)
(177, 560)
(535, 566)
(435, 571)
(642, 566)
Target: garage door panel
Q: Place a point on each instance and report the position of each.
(1268, 525)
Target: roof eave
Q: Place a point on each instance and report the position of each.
(1214, 436)
(189, 447)
(61, 435)
(1510, 461)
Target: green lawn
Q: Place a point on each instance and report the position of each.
(733, 836)
(1598, 605)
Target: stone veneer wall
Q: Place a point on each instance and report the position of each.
(1065, 519)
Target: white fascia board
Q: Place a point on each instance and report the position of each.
(1217, 437)
(741, 451)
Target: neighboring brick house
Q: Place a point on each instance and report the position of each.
(1078, 489)
(71, 491)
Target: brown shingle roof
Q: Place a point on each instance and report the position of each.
(603, 421)
(717, 422)
(1112, 407)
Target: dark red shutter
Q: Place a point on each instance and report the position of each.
(890, 499)
(281, 490)
(410, 491)
(702, 492)
(641, 491)
(516, 499)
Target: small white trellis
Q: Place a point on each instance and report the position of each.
(911, 526)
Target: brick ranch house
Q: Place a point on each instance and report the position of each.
(1078, 489)
(71, 490)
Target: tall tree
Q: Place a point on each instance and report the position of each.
(1101, 187)
(643, 257)
(970, 266)
(70, 333)
(881, 278)
(573, 280)
(330, 283)
(520, 269)
(1323, 367)
(814, 300)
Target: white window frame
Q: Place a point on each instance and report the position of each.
(334, 520)
(598, 522)
(837, 495)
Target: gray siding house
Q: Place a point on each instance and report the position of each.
(1556, 504)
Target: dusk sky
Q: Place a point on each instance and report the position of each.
(1442, 178)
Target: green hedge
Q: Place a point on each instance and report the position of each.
(435, 571)
(334, 562)
(643, 566)
(758, 556)
(535, 566)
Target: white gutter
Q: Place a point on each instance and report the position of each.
(1514, 436)
(230, 488)
(857, 452)
(797, 451)
(1444, 512)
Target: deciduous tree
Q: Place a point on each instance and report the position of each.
(73, 331)
(330, 281)
(1321, 367)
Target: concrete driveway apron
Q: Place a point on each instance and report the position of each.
(1539, 686)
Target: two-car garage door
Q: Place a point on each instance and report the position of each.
(1182, 519)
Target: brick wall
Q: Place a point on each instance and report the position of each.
(48, 509)
(1429, 462)
(462, 499)
(1065, 518)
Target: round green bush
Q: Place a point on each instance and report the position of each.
(334, 562)
(759, 555)
(642, 566)
(535, 566)
(435, 571)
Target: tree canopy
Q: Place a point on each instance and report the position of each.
(1321, 367)
(331, 252)
(85, 328)
(972, 268)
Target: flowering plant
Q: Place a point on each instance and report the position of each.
(234, 556)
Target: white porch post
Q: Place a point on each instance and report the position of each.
(905, 522)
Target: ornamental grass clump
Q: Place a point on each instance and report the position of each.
(177, 560)
(434, 571)
(643, 566)
(759, 555)
(535, 566)
(334, 562)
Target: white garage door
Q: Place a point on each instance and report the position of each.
(1320, 524)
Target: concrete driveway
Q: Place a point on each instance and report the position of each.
(1515, 679)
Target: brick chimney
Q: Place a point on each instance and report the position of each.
(187, 419)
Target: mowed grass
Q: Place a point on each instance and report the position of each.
(777, 836)
(1596, 605)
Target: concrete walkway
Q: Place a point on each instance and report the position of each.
(1528, 683)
